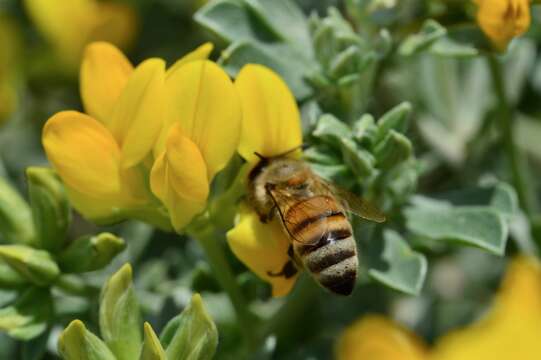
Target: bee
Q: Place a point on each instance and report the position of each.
(313, 214)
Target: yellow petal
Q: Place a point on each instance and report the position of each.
(179, 179)
(203, 100)
(502, 20)
(104, 74)
(138, 114)
(201, 53)
(262, 248)
(511, 329)
(374, 337)
(271, 122)
(116, 23)
(83, 152)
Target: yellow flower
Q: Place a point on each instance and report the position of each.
(512, 327)
(270, 126)
(69, 25)
(510, 330)
(503, 20)
(374, 337)
(105, 156)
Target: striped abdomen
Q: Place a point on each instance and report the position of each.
(324, 242)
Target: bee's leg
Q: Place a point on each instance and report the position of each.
(265, 218)
(290, 269)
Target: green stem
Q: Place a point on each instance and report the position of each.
(74, 285)
(211, 241)
(518, 166)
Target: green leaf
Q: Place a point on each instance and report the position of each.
(15, 216)
(331, 130)
(365, 130)
(35, 348)
(120, 317)
(360, 161)
(255, 31)
(90, 253)
(283, 59)
(152, 349)
(27, 317)
(394, 119)
(430, 32)
(77, 343)
(394, 264)
(10, 278)
(193, 335)
(35, 265)
(393, 150)
(50, 207)
(482, 227)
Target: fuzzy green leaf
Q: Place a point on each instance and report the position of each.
(394, 264)
(77, 343)
(120, 318)
(394, 119)
(27, 317)
(430, 33)
(482, 227)
(393, 150)
(50, 207)
(331, 130)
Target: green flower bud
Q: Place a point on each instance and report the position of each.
(89, 253)
(50, 207)
(15, 216)
(77, 343)
(192, 334)
(394, 149)
(152, 349)
(35, 265)
(120, 318)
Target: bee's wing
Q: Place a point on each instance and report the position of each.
(304, 211)
(354, 203)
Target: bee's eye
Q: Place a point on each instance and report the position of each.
(301, 186)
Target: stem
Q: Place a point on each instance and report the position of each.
(519, 170)
(74, 285)
(211, 242)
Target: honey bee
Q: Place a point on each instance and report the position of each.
(313, 214)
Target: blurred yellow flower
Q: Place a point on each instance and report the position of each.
(70, 25)
(270, 126)
(105, 157)
(9, 61)
(510, 330)
(375, 337)
(503, 20)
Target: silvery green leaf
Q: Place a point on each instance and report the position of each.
(480, 226)
(10, 278)
(78, 343)
(50, 207)
(360, 161)
(331, 130)
(27, 317)
(394, 119)
(120, 317)
(394, 264)
(392, 150)
(430, 32)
